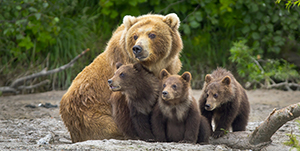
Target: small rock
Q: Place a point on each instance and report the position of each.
(47, 105)
(46, 140)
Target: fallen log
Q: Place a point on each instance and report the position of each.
(261, 136)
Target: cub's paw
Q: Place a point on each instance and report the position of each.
(217, 134)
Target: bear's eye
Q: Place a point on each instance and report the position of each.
(152, 36)
(135, 37)
(122, 74)
(215, 95)
(164, 85)
(174, 86)
(207, 95)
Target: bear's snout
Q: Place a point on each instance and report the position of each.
(165, 93)
(109, 81)
(207, 106)
(137, 49)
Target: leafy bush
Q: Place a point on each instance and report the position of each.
(255, 70)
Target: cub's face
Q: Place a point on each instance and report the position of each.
(174, 87)
(148, 38)
(124, 77)
(216, 92)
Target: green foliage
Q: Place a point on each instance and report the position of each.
(225, 131)
(293, 139)
(35, 34)
(255, 70)
(290, 3)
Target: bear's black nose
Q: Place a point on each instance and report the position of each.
(137, 49)
(109, 81)
(207, 105)
(164, 93)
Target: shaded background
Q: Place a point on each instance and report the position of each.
(257, 40)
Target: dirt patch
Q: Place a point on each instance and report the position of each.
(23, 123)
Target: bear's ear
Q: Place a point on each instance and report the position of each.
(172, 20)
(164, 73)
(208, 78)
(186, 76)
(128, 21)
(138, 66)
(118, 65)
(226, 80)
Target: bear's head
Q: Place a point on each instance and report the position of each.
(126, 76)
(151, 38)
(174, 87)
(218, 91)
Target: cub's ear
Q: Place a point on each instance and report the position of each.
(138, 66)
(164, 73)
(128, 21)
(172, 20)
(208, 78)
(186, 76)
(118, 65)
(226, 80)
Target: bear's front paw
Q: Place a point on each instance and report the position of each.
(218, 134)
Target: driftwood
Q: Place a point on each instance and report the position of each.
(261, 136)
(17, 85)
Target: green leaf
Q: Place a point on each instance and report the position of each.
(32, 9)
(56, 19)
(186, 29)
(245, 29)
(133, 2)
(194, 24)
(26, 42)
(198, 16)
(275, 18)
(255, 36)
(18, 7)
(114, 14)
(262, 28)
(253, 26)
(45, 4)
(254, 8)
(38, 16)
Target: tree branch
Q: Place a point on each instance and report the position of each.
(33, 86)
(283, 84)
(170, 6)
(15, 88)
(44, 72)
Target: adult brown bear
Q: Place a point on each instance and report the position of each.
(153, 40)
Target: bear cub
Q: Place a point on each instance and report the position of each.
(176, 116)
(140, 88)
(225, 101)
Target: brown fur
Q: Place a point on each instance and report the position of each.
(84, 108)
(225, 101)
(140, 88)
(176, 116)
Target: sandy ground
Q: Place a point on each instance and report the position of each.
(23, 127)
